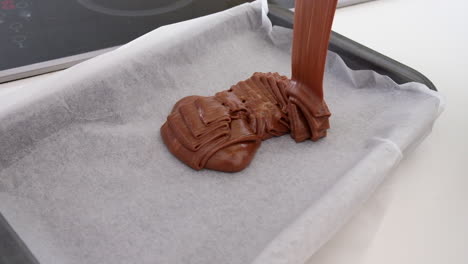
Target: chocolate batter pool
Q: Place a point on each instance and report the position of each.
(224, 131)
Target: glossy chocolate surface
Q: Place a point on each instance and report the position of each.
(224, 131)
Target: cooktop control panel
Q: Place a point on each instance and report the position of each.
(41, 30)
(16, 27)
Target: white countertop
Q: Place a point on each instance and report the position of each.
(419, 215)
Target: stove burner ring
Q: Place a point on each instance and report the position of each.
(90, 4)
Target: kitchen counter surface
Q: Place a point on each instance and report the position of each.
(419, 215)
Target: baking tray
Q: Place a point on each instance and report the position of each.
(356, 56)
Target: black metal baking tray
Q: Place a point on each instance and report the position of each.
(12, 248)
(355, 55)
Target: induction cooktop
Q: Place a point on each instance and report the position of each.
(39, 36)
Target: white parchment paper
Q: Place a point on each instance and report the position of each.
(85, 177)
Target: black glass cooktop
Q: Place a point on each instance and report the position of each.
(33, 31)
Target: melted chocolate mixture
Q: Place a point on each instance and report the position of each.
(223, 132)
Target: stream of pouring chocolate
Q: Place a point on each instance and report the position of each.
(224, 131)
